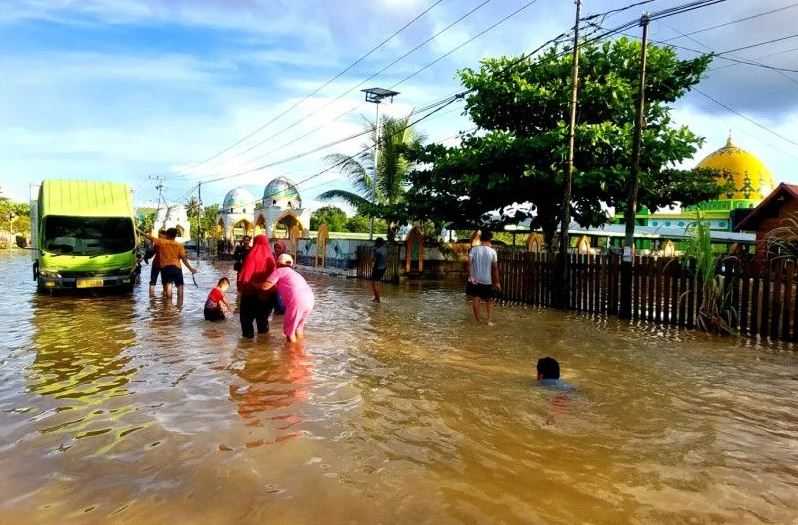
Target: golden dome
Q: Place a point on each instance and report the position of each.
(750, 178)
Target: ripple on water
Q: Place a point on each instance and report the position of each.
(132, 409)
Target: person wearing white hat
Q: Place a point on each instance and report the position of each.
(296, 294)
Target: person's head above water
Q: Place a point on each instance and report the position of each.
(548, 368)
(223, 284)
(380, 242)
(486, 236)
(171, 234)
(280, 248)
(285, 260)
(162, 234)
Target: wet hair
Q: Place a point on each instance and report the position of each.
(380, 242)
(223, 280)
(171, 233)
(487, 235)
(161, 233)
(548, 368)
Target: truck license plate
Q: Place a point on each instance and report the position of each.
(90, 283)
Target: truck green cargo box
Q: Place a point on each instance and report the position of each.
(83, 235)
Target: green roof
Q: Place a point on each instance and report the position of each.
(78, 198)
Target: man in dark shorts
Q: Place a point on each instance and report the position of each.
(155, 264)
(378, 270)
(171, 254)
(483, 276)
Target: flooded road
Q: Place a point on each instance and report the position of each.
(127, 410)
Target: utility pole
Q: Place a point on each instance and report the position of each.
(376, 95)
(565, 216)
(633, 183)
(199, 217)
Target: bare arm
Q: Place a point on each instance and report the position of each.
(188, 264)
(495, 277)
(268, 285)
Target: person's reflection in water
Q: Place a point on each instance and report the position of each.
(277, 384)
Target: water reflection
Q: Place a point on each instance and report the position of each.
(275, 384)
(131, 410)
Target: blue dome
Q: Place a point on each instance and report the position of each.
(238, 198)
(281, 192)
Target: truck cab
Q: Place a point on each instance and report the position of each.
(83, 235)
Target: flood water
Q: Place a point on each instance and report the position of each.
(127, 410)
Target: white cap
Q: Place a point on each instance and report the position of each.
(285, 259)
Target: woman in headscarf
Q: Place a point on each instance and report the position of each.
(256, 304)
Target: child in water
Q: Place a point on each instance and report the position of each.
(295, 293)
(216, 306)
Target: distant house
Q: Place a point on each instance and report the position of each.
(770, 214)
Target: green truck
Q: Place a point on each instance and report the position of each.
(83, 235)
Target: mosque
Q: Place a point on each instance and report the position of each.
(278, 213)
(749, 183)
(174, 216)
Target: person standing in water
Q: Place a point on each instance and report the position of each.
(155, 263)
(378, 270)
(483, 276)
(296, 294)
(256, 302)
(170, 255)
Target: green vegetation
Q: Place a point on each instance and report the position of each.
(379, 193)
(715, 312)
(336, 220)
(14, 216)
(206, 219)
(521, 108)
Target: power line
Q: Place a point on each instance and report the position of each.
(371, 77)
(746, 117)
(405, 79)
(751, 46)
(364, 150)
(324, 85)
(736, 21)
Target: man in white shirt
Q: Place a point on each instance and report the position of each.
(483, 276)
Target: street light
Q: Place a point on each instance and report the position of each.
(376, 95)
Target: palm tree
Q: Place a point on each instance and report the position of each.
(385, 186)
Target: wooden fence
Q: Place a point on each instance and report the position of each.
(365, 262)
(755, 301)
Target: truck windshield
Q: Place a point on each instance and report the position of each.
(87, 235)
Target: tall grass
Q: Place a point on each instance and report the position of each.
(716, 313)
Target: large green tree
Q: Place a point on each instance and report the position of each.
(517, 156)
(333, 216)
(378, 192)
(14, 216)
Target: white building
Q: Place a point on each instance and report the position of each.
(281, 205)
(173, 216)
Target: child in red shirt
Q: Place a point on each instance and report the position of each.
(216, 306)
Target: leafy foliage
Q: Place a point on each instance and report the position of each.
(14, 216)
(715, 312)
(518, 155)
(332, 216)
(378, 191)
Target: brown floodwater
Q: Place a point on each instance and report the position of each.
(128, 410)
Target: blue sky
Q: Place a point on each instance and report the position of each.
(126, 89)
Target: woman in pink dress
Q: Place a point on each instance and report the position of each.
(296, 294)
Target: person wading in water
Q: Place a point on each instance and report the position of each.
(256, 304)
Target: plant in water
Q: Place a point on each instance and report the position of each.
(715, 312)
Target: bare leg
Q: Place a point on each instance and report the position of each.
(180, 297)
(292, 338)
(152, 290)
(489, 311)
(300, 330)
(167, 290)
(475, 307)
(376, 290)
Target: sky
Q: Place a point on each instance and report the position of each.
(133, 90)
